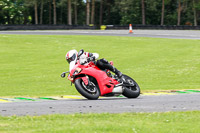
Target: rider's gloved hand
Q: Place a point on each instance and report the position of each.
(88, 59)
(91, 58)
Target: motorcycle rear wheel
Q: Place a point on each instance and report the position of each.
(89, 93)
(133, 91)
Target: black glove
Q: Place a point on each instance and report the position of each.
(91, 58)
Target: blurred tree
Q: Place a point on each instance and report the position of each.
(101, 12)
(163, 12)
(50, 13)
(34, 3)
(93, 12)
(194, 2)
(41, 11)
(87, 12)
(36, 11)
(12, 12)
(179, 12)
(75, 12)
(69, 13)
(143, 12)
(54, 12)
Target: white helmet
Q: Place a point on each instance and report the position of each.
(71, 55)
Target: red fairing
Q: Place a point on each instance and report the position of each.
(105, 83)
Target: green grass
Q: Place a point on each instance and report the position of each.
(30, 65)
(170, 122)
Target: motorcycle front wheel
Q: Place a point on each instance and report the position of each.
(131, 91)
(90, 92)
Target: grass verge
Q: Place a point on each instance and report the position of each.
(31, 64)
(169, 122)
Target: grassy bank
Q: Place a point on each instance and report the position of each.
(31, 64)
(170, 122)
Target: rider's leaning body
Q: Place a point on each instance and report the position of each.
(103, 64)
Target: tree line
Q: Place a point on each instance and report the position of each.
(100, 12)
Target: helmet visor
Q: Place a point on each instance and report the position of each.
(71, 58)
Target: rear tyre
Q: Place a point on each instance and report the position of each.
(131, 91)
(89, 92)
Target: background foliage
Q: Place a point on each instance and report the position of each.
(115, 12)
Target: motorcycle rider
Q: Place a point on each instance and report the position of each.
(103, 64)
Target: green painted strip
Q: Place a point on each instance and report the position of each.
(120, 96)
(182, 92)
(192, 90)
(46, 98)
(23, 98)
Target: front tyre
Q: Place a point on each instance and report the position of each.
(90, 92)
(131, 91)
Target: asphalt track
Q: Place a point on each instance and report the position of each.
(145, 103)
(174, 34)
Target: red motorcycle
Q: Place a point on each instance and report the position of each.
(92, 82)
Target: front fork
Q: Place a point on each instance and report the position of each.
(87, 81)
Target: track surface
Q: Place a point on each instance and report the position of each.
(144, 103)
(176, 34)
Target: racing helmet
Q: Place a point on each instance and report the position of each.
(71, 55)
